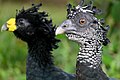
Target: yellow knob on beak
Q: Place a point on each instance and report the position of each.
(10, 25)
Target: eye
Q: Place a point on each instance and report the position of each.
(82, 21)
(21, 21)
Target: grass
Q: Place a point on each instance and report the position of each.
(13, 51)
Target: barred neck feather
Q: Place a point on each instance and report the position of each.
(90, 54)
(89, 62)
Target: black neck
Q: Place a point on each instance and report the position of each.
(89, 62)
(40, 53)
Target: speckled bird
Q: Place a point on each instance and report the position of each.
(34, 28)
(89, 32)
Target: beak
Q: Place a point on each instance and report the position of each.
(59, 30)
(65, 27)
(4, 27)
(9, 26)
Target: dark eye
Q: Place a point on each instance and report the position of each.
(21, 21)
(82, 21)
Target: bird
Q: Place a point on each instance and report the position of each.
(84, 28)
(37, 30)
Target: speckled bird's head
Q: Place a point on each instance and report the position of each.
(82, 25)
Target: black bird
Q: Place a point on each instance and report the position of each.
(38, 32)
(84, 28)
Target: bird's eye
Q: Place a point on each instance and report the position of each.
(82, 21)
(21, 21)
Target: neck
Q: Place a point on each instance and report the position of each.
(90, 53)
(39, 53)
(89, 62)
(39, 59)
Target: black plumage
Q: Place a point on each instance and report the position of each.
(84, 28)
(38, 32)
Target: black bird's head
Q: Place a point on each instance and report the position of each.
(82, 25)
(31, 25)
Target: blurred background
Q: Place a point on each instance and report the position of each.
(13, 51)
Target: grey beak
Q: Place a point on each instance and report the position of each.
(59, 30)
(4, 27)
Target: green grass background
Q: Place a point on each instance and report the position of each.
(13, 51)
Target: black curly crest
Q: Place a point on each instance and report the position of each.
(39, 19)
(33, 9)
(32, 14)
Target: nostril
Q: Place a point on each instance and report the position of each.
(95, 22)
(65, 26)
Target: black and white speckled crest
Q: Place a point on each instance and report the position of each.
(72, 10)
